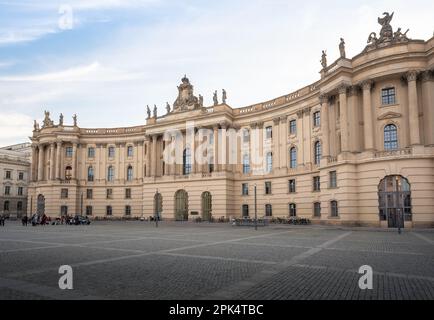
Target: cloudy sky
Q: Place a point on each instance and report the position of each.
(107, 59)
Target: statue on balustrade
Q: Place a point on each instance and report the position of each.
(74, 118)
(324, 59)
(155, 111)
(224, 96)
(216, 102)
(200, 100)
(148, 110)
(61, 119)
(35, 126)
(342, 48)
(168, 107)
(47, 121)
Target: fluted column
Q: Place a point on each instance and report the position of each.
(140, 156)
(58, 155)
(262, 156)
(300, 138)
(276, 142)
(104, 157)
(216, 148)
(52, 166)
(34, 164)
(353, 119)
(344, 119)
(40, 162)
(367, 115)
(74, 160)
(283, 139)
(224, 152)
(324, 101)
(413, 108)
(148, 157)
(428, 105)
(154, 156)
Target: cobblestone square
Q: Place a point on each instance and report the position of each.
(136, 260)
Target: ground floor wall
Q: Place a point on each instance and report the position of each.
(355, 194)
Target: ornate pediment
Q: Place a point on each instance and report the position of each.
(186, 99)
(389, 115)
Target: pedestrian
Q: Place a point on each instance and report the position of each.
(2, 220)
(24, 221)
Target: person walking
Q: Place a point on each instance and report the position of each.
(2, 220)
(24, 221)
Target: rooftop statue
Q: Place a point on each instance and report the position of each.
(61, 119)
(342, 48)
(47, 121)
(35, 126)
(148, 110)
(215, 99)
(324, 59)
(224, 96)
(74, 118)
(387, 36)
(186, 99)
(155, 111)
(168, 107)
(200, 100)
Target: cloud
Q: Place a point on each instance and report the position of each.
(14, 127)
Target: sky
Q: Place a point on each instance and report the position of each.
(105, 60)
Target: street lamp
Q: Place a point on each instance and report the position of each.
(156, 200)
(256, 212)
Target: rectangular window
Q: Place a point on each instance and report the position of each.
(316, 184)
(109, 193)
(388, 96)
(128, 193)
(127, 210)
(91, 152)
(89, 194)
(20, 191)
(268, 187)
(246, 136)
(7, 190)
(21, 176)
(111, 152)
(334, 209)
(268, 133)
(245, 189)
(291, 186)
(333, 179)
(317, 209)
(64, 194)
(245, 210)
(109, 210)
(64, 211)
(292, 210)
(130, 151)
(293, 127)
(68, 152)
(316, 119)
(8, 175)
(268, 210)
(19, 206)
(89, 210)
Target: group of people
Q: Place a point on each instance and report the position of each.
(35, 219)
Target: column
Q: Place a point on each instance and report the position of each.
(136, 155)
(276, 142)
(122, 169)
(40, 162)
(324, 101)
(262, 156)
(428, 106)
(216, 147)
(344, 118)
(33, 164)
(367, 115)
(353, 123)
(300, 138)
(58, 155)
(52, 166)
(139, 169)
(74, 160)
(283, 139)
(104, 156)
(148, 156)
(413, 108)
(223, 155)
(153, 164)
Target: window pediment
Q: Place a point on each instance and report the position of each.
(389, 115)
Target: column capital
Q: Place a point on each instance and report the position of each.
(307, 110)
(253, 125)
(366, 84)
(300, 113)
(323, 98)
(411, 75)
(276, 120)
(353, 91)
(215, 127)
(427, 75)
(224, 124)
(283, 119)
(260, 124)
(155, 137)
(342, 89)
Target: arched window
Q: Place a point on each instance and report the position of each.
(130, 173)
(68, 173)
(246, 164)
(186, 159)
(390, 137)
(334, 209)
(6, 206)
(110, 173)
(292, 210)
(90, 175)
(293, 157)
(317, 152)
(269, 164)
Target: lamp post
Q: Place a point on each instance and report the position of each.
(256, 212)
(156, 208)
(81, 204)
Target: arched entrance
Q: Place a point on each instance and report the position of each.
(40, 205)
(158, 205)
(181, 205)
(206, 206)
(394, 197)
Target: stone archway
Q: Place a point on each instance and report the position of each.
(206, 206)
(181, 205)
(394, 197)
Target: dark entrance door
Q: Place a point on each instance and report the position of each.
(40, 206)
(181, 205)
(395, 201)
(206, 206)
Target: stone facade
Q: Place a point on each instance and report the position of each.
(366, 119)
(14, 178)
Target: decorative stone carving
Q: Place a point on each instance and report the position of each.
(342, 89)
(61, 120)
(342, 48)
(284, 119)
(35, 126)
(47, 121)
(224, 96)
(367, 84)
(353, 91)
(253, 125)
(186, 99)
(215, 99)
(155, 111)
(300, 114)
(167, 107)
(427, 76)
(387, 36)
(324, 59)
(74, 119)
(276, 120)
(323, 98)
(200, 100)
(389, 115)
(411, 75)
(148, 111)
(260, 124)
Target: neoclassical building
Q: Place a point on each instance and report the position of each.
(356, 147)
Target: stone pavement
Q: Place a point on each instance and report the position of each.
(135, 260)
